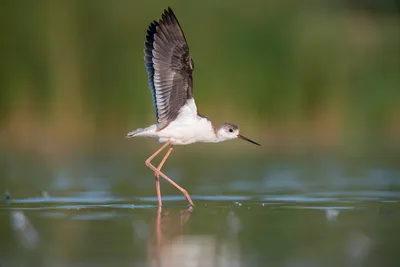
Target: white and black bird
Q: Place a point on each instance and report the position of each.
(169, 68)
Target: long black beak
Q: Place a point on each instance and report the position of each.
(247, 139)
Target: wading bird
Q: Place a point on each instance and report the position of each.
(169, 68)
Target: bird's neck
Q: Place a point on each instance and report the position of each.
(216, 136)
(209, 134)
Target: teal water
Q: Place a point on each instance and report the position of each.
(256, 210)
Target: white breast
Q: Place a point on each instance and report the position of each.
(188, 127)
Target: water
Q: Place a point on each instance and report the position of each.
(251, 209)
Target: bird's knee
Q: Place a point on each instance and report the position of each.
(147, 162)
(184, 192)
(150, 166)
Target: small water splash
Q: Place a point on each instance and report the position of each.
(332, 214)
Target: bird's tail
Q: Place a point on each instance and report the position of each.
(149, 131)
(133, 133)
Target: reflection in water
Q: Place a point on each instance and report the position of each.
(332, 214)
(26, 233)
(166, 244)
(222, 235)
(353, 225)
(358, 247)
(230, 253)
(169, 246)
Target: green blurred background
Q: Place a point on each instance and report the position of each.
(291, 74)
(317, 83)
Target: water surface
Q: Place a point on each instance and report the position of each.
(250, 211)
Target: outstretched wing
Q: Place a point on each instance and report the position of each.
(169, 68)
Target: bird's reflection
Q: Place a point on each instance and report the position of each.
(26, 233)
(170, 244)
(168, 226)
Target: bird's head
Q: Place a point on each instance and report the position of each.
(228, 131)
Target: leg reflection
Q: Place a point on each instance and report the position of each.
(169, 225)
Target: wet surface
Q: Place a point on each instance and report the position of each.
(281, 212)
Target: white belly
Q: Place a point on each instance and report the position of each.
(188, 130)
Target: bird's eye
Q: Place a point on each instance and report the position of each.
(230, 130)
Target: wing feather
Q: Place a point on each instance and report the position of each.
(169, 67)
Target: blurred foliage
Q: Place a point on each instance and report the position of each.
(331, 67)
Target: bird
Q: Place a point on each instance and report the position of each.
(169, 68)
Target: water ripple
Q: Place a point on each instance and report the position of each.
(95, 201)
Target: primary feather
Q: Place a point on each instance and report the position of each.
(169, 67)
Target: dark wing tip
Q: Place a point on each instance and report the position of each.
(151, 30)
(169, 10)
(148, 58)
(166, 13)
(169, 15)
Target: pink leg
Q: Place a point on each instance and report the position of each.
(157, 176)
(158, 229)
(148, 164)
(156, 172)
